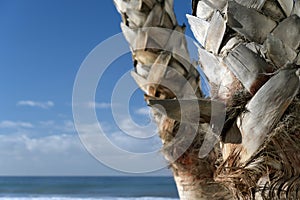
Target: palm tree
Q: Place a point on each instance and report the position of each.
(249, 53)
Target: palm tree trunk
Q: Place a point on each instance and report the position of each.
(251, 62)
(260, 47)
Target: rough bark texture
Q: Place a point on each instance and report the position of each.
(250, 56)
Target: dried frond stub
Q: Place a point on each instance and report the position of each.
(296, 8)
(209, 34)
(288, 31)
(256, 4)
(232, 42)
(169, 4)
(130, 35)
(249, 22)
(149, 3)
(287, 6)
(272, 10)
(278, 52)
(204, 11)
(211, 66)
(216, 4)
(135, 17)
(157, 72)
(265, 110)
(199, 28)
(297, 62)
(160, 36)
(190, 111)
(144, 57)
(155, 17)
(248, 67)
(141, 81)
(142, 70)
(215, 33)
(121, 5)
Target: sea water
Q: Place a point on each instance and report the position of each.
(87, 188)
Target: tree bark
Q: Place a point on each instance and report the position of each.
(251, 62)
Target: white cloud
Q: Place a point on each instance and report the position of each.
(132, 140)
(47, 123)
(24, 155)
(46, 151)
(129, 127)
(99, 105)
(22, 145)
(68, 126)
(15, 124)
(136, 145)
(143, 111)
(65, 126)
(27, 147)
(44, 105)
(51, 144)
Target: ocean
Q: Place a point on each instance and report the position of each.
(87, 188)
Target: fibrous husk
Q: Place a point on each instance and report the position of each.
(231, 133)
(271, 173)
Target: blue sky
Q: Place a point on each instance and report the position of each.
(42, 45)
